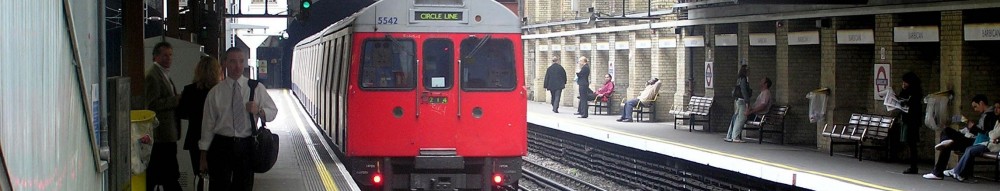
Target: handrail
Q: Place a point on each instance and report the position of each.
(84, 97)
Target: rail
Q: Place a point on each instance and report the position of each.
(82, 86)
(559, 180)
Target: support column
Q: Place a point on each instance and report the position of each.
(173, 19)
(828, 44)
(951, 56)
(132, 39)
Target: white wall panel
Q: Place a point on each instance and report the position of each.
(42, 124)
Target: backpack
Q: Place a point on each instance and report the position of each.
(736, 89)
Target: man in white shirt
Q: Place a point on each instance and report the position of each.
(226, 126)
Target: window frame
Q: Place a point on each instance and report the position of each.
(451, 73)
(413, 61)
(462, 66)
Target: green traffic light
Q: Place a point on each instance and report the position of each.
(306, 4)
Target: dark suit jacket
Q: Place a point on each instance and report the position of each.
(161, 97)
(192, 107)
(555, 77)
(583, 77)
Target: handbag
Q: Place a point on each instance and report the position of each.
(265, 143)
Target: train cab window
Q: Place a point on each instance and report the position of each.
(487, 64)
(388, 64)
(439, 61)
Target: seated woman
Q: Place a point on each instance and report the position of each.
(606, 90)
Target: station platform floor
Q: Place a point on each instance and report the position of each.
(305, 161)
(805, 167)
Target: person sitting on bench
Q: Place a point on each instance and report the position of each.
(647, 94)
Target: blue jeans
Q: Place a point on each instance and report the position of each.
(627, 110)
(739, 118)
(969, 157)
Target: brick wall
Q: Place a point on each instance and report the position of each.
(621, 60)
(664, 68)
(726, 67)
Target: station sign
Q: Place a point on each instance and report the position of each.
(603, 46)
(621, 45)
(586, 46)
(669, 42)
(543, 47)
(803, 38)
(643, 44)
(555, 47)
(881, 82)
(762, 39)
(726, 40)
(860, 36)
(569, 47)
(709, 78)
(694, 41)
(915, 34)
(982, 32)
(437, 15)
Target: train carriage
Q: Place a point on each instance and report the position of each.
(420, 94)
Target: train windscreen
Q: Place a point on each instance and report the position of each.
(487, 64)
(388, 64)
(439, 59)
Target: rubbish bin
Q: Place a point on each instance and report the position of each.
(143, 122)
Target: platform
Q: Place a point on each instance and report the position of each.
(305, 160)
(793, 165)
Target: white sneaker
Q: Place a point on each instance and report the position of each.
(951, 173)
(932, 176)
(943, 144)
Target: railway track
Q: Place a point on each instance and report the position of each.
(549, 179)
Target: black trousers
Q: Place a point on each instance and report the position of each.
(196, 168)
(556, 95)
(229, 164)
(582, 107)
(960, 142)
(163, 169)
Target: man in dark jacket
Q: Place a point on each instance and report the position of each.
(583, 83)
(555, 82)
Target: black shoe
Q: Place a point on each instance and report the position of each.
(620, 119)
(576, 113)
(911, 170)
(557, 111)
(626, 120)
(583, 116)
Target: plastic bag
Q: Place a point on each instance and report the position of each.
(142, 124)
(936, 116)
(817, 106)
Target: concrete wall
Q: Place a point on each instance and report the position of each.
(43, 131)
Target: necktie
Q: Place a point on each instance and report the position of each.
(239, 118)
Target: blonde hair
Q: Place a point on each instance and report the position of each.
(583, 59)
(206, 73)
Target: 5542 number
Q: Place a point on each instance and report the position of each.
(387, 20)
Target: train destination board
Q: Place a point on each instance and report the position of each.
(438, 16)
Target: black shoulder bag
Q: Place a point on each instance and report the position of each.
(265, 143)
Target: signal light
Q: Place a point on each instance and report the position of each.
(497, 179)
(377, 179)
(306, 4)
(304, 9)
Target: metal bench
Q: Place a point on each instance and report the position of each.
(698, 109)
(773, 122)
(602, 105)
(990, 159)
(645, 108)
(859, 129)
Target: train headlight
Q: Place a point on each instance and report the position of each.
(377, 179)
(477, 112)
(497, 179)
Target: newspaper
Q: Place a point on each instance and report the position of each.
(891, 102)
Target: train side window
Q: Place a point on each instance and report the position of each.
(388, 64)
(487, 65)
(439, 61)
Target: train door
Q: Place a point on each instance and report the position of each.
(492, 104)
(383, 109)
(438, 99)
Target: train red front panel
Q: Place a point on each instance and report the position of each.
(445, 114)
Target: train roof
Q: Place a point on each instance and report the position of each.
(427, 16)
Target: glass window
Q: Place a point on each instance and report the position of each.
(439, 61)
(387, 64)
(487, 65)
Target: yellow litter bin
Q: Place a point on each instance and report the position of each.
(143, 122)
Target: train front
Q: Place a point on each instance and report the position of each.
(436, 99)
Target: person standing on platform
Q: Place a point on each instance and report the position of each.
(555, 82)
(161, 97)
(226, 145)
(741, 93)
(911, 96)
(583, 83)
(207, 73)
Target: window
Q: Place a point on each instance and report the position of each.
(439, 61)
(387, 64)
(487, 64)
(272, 2)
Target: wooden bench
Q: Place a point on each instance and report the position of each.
(859, 129)
(602, 105)
(647, 108)
(698, 109)
(773, 123)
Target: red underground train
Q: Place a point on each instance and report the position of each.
(420, 94)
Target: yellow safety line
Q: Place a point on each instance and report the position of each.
(324, 175)
(735, 156)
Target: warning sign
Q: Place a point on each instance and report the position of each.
(708, 75)
(881, 82)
